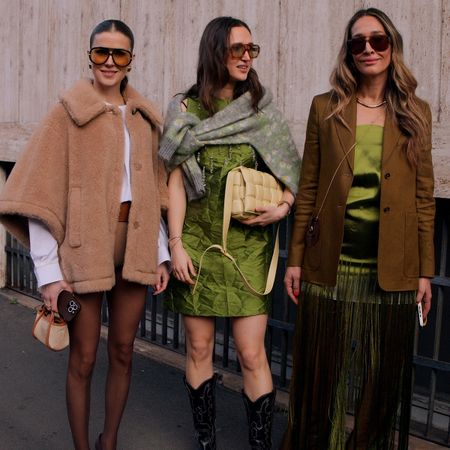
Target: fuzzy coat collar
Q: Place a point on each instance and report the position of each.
(84, 103)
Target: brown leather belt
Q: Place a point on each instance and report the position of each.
(124, 211)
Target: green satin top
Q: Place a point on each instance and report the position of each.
(360, 242)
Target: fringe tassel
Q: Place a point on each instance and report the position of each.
(352, 338)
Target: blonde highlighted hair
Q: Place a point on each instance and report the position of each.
(400, 89)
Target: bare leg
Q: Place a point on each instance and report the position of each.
(200, 380)
(84, 336)
(125, 306)
(199, 348)
(248, 333)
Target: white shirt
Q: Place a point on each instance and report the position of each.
(44, 248)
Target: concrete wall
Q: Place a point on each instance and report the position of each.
(45, 42)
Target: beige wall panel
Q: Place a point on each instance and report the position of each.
(311, 33)
(93, 12)
(13, 138)
(442, 130)
(64, 61)
(33, 57)
(9, 42)
(46, 41)
(147, 20)
(445, 65)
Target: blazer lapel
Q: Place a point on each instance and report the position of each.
(347, 135)
(391, 136)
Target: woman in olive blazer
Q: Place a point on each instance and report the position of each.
(405, 242)
(367, 256)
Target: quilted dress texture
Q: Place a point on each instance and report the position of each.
(220, 290)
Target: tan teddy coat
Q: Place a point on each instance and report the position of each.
(69, 177)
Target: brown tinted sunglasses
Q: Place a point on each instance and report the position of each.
(238, 50)
(379, 42)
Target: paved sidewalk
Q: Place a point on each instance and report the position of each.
(157, 417)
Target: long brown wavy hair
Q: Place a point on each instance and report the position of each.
(212, 72)
(401, 85)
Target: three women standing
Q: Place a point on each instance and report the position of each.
(225, 120)
(362, 241)
(361, 252)
(86, 196)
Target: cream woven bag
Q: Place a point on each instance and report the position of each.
(251, 189)
(245, 190)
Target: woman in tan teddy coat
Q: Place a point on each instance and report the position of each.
(86, 196)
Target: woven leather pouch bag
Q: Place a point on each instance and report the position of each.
(245, 190)
(251, 189)
(50, 329)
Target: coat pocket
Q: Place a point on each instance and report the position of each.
(74, 217)
(313, 256)
(411, 246)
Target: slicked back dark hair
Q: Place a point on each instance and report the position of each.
(212, 72)
(114, 25)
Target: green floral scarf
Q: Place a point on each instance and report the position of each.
(266, 131)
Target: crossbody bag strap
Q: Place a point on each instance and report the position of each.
(223, 248)
(333, 177)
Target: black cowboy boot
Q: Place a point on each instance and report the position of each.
(203, 404)
(260, 415)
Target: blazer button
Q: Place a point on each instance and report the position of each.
(387, 209)
(387, 176)
(136, 225)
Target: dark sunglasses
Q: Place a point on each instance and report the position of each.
(120, 56)
(238, 50)
(379, 42)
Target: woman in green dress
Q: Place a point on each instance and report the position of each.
(361, 252)
(227, 119)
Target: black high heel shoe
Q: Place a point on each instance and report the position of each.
(98, 442)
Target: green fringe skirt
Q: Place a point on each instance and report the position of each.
(352, 352)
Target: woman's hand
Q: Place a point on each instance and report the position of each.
(182, 267)
(292, 281)
(163, 279)
(49, 293)
(269, 215)
(424, 296)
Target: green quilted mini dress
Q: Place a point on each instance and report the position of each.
(220, 290)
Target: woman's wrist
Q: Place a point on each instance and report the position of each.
(286, 206)
(173, 241)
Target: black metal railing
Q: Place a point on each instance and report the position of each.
(431, 399)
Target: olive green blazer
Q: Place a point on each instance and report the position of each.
(405, 241)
